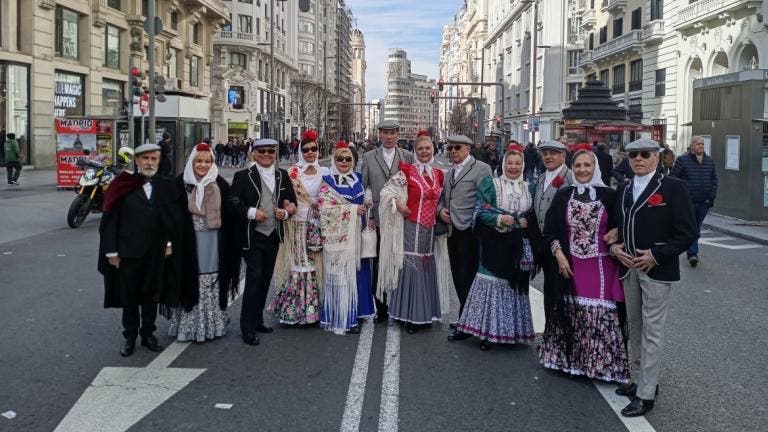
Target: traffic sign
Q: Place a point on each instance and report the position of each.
(158, 27)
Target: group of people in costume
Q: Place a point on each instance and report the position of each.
(608, 257)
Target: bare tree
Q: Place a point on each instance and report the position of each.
(308, 99)
(458, 120)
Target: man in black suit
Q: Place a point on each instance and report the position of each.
(605, 161)
(142, 251)
(264, 198)
(656, 224)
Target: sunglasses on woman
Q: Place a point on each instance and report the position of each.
(309, 149)
(645, 154)
(262, 150)
(344, 159)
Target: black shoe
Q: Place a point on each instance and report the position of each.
(251, 340)
(354, 330)
(452, 325)
(411, 328)
(627, 390)
(264, 329)
(693, 260)
(151, 343)
(637, 407)
(128, 347)
(458, 335)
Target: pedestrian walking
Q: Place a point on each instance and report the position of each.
(217, 264)
(263, 199)
(298, 299)
(408, 271)
(142, 253)
(12, 159)
(656, 223)
(497, 309)
(166, 152)
(531, 160)
(348, 293)
(583, 334)
(456, 209)
(605, 163)
(697, 170)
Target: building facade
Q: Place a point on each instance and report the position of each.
(73, 57)
(408, 98)
(359, 67)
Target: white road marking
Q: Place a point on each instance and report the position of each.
(119, 397)
(617, 403)
(353, 409)
(713, 242)
(716, 239)
(390, 384)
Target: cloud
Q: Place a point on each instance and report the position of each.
(413, 25)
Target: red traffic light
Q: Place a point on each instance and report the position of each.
(440, 84)
(135, 72)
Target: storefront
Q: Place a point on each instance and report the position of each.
(14, 107)
(237, 129)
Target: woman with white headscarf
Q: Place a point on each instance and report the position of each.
(298, 301)
(217, 262)
(582, 334)
(498, 309)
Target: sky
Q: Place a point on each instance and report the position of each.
(413, 25)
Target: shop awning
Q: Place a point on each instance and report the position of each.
(613, 125)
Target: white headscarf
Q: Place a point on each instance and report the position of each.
(350, 175)
(191, 179)
(303, 164)
(515, 183)
(597, 177)
(425, 167)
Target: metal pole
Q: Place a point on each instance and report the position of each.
(534, 42)
(151, 60)
(270, 120)
(325, 96)
(143, 133)
(131, 132)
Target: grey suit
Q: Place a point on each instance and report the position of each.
(459, 196)
(375, 172)
(543, 198)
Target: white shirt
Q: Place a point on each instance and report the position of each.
(639, 183)
(268, 177)
(460, 166)
(550, 175)
(148, 190)
(389, 156)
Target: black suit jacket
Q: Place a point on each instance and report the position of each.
(246, 193)
(665, 225)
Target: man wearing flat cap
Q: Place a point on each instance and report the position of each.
(377, 166)
(263, 198)
(656, 223)
(142, 253)
(456, 209)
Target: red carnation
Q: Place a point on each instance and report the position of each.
(309, 135)
(655, 200)
(515, 148)
(203, 147)
(557, 182)
(582, 147)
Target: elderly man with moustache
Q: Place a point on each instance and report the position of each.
(377, 166)
(456, 208)
(263, 198)
(656, 223)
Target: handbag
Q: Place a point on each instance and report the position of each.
(441, 228)
(314, 238)
(368, 240)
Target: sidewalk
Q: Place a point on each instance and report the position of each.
(753, 231)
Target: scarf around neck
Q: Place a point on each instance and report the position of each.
(201, 184)
(595, 181)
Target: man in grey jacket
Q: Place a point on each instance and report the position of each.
(456, 208)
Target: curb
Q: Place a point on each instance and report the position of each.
(735, 233)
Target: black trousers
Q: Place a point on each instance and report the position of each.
(131, 320)
(381, 303)
(463, 251)
(13, 170)
(259, 267)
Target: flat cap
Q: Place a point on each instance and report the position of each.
(552, 145)
(389, 124)
(264, 142)
(144, 148)
(459, 139)
(642, 144)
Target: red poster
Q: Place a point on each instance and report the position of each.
(79, 139)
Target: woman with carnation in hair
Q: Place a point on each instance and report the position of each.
(298, 301)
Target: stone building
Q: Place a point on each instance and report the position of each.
(408, 96)
(359, 67)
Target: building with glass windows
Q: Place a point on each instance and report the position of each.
(408, 96)
(72, 58)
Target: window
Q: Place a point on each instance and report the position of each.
(661, 82)
(112, 95)
(619, 77)
(114, 4)
(636, 75)
(175, 20)
(603, 34)
(307, 69)
(194, 78)
(245, 1)
(228, 26)
(68, 94)
(260, 71)
(66, 32)
(306, 47)
(172, 68)
(238, 59)
(244, 24)
(657, 9)
(196, 33)
(573, 91)
(637, 17)
(258, 25)
(573, 62)
(618, 27)
(604, 77)
(591, 41)
(112, 47)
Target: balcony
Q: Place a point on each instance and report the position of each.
(704, 10)
(237, 38)
(588, 20)
(653, 32)
(614, 7)
(624, 43)
(585, 60)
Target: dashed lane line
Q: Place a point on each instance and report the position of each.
(353, 408)
(390, 385)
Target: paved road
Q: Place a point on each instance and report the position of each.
(57, 339)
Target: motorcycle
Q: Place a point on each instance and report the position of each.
(90, 193)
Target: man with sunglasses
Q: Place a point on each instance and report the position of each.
(656, 224)
(377, 166)
(263, 198)
(456, 209)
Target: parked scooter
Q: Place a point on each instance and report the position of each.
(93, 184)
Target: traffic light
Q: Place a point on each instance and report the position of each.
(432, 97)
(136, 82)
(440, 84)
(378, 106)
(498, 121)
(159, 88)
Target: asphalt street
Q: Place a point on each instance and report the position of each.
(57, 339)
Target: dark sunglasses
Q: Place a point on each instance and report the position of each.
(344, 159)
(456, 147)
(645, 154)
(262, 150)
(309, 149)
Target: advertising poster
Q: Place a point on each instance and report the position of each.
(77, 139)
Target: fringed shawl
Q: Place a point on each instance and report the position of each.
(391, 228)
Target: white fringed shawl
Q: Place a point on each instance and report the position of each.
(391, 230)
(444, 276)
